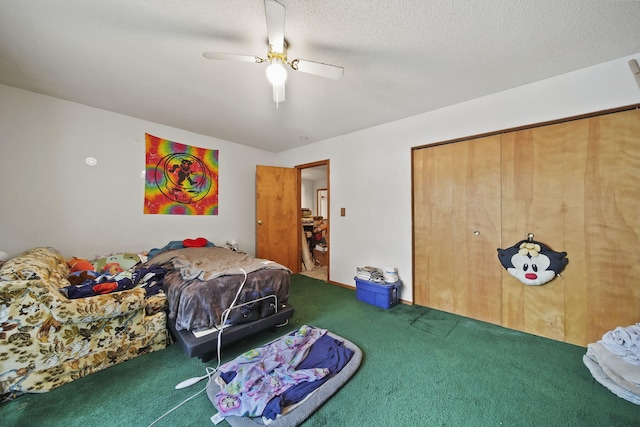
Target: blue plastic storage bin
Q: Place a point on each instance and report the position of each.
(384, 295)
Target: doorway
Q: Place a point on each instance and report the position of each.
(314, 219)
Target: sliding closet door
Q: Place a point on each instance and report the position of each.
(575, 185)
(611, 232)
(432, 227)
(457, 228)
(541, 190)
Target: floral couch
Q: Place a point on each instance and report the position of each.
(47, 340)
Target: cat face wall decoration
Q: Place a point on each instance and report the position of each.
(532, 263)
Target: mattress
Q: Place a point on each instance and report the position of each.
(308, 406)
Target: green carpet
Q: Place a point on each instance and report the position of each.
(421, 367)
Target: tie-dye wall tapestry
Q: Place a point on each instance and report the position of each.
(180, 179)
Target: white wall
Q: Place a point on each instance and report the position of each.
(306, 196)
(309, 189)
(371, 169)
(50, 197)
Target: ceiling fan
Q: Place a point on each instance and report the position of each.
(277, 55)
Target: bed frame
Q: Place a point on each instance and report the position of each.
(205, 347)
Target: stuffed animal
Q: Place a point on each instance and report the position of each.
(112, 268)
(79, 277)
(532, 263)
(116, 263)
(79, 264)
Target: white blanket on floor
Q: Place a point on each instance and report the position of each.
(599, 375)
(624, 342)
(621, 372)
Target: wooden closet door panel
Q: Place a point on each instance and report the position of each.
(512, 293)
(575, 279)
(612, 222)
(421, 166)
(457, 193)
(433, 245)
(533, 181)
(476, 229)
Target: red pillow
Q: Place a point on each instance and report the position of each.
(200, 242)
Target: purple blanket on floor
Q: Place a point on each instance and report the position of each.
(263, 381)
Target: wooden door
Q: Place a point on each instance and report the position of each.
(575, 185)
(610, 236)
(539, 189)
(457, 228)
(277, 231)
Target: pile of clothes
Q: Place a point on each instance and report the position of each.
(614, 361)
(112, 273)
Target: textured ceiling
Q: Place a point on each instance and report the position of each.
(143, 58)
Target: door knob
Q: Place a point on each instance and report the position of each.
(259, 222)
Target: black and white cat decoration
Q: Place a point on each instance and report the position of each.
(533, 263)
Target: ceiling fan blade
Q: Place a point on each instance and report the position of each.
(232, 57)
(275, 24)
(278, 93)
(318, 68)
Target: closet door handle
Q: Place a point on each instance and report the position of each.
(259, 222)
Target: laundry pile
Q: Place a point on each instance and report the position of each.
(614, 361)
(372, 274)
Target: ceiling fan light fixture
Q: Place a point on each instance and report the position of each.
(276, 73)
(277, 55)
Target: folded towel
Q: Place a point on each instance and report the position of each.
(624, 342)
(622, 373)
(599, 375)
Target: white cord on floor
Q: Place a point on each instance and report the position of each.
(177, 406)
(286, 322)
(210, 371)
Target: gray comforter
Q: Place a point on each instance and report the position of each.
(202, 282)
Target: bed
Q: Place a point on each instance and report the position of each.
(202, 283)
